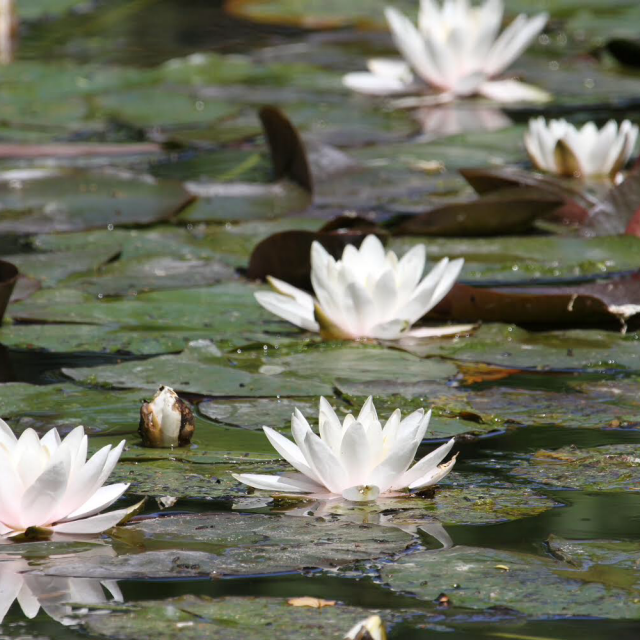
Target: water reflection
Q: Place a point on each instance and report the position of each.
(448, 120)
(382, 513)
(55, 595)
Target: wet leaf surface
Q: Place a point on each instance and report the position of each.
(234, 544)
(535, 585)
(606, 468)
(236, 618)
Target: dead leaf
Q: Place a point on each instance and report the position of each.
(314, 603)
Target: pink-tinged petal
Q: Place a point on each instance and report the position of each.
(84, 485)
(325, 464)
(11, 490)
(43, 496)
(355, 454)
(513, 91)
(93, 525)
(281, 484)
(425, 465)
(99, 501)
(290, 452)
(10, 584)
(28, 602)
(361, 493)
(434, 476)
(288, 309)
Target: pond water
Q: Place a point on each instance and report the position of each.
(135, 266)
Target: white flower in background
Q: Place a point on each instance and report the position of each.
(370, 629)
(53, 594)
(558, 147)
(366, 294)
(456, 50)
(358, 459)
(48, 483)
(166, 421)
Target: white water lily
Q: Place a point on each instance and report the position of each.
(558, 147)
(366, 294)
(370, 629)
(49, 484)
(166, 421)
(52, 594)
(456, 51)
(357, 459)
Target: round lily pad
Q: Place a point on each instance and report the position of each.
(233, 544)
(537, 586)
(606, 468)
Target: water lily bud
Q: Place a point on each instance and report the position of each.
(166, 421)
(370, 629)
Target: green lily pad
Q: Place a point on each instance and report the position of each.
(77, 200)
(233, 544)
(231, 618)
(239, 201)
(137, 275)
(51, 268)
(199, 369)
(513, 348)
(537, 586)
(531, 258)
(47, 8)
(606, 468)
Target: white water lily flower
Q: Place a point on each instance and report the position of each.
(358, 459)
(366, 294)
(53, 594)
(456, 50)
(370, 629)
(166, 421)
(559, 147)
(48, 483)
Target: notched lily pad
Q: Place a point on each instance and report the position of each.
(606, 468)
(234, 544)
(537, 586)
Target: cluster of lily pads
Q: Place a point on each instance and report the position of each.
(50, 488)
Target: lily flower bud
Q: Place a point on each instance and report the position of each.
(166, 421)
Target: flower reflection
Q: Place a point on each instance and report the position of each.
(55, 595)
(452, 119)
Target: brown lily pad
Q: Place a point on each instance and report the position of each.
(509, 210)
(8, 278)
(609, 303)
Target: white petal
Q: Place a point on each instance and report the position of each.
(7, 437)
(375, 85)
(278, 483)
(329, 425)
(513, 91)
(434, 476)
(326, 464)
(355, 454)
(288, 309)
(93, 525)
(104, 497)
(425, 465)
(290, 452)
(437, 332)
